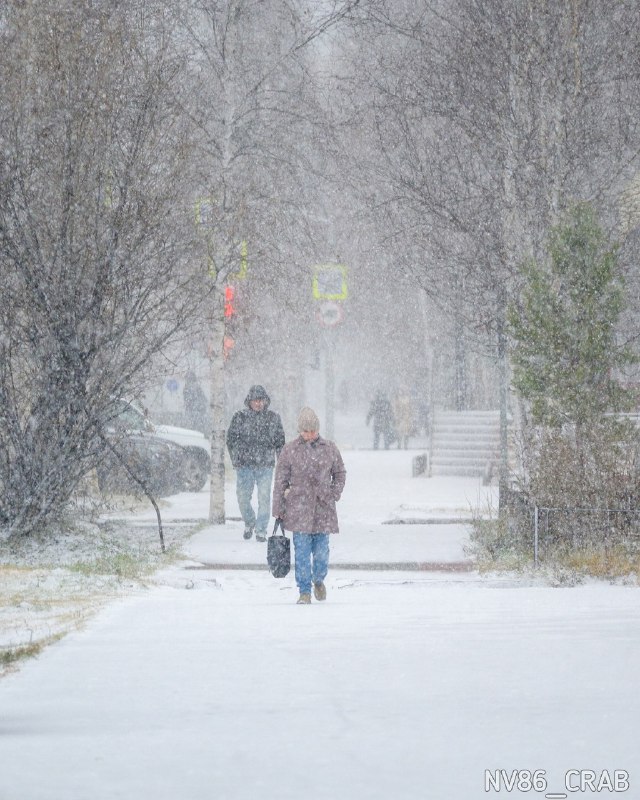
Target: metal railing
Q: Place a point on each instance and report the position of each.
(577, 528)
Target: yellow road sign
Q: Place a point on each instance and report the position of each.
(330, 282)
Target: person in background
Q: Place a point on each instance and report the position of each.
(310, 477)
(195, 404)
(404, 415)
(254, 439)
(381, 413)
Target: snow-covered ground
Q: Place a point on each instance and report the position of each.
(212, 683)
(380, 496)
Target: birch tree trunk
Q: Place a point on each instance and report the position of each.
(218, 429)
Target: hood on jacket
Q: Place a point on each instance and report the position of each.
(257, 392)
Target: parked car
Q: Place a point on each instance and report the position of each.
(156, 463)
(172, 458)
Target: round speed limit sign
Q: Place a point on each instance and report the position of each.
(329, 314)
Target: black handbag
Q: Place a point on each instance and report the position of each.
(279, 552)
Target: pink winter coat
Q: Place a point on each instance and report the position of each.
(309, 480)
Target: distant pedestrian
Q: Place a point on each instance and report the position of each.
(254, 439)
(381, 413)
(422, 415)
(195, 404)
(310, 477)
(405, 418)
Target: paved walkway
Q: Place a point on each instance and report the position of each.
(135, 706)
(214, 685)
(387, 518)
(401, 685)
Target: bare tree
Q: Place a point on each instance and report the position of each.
(488, 118)
(96, 233)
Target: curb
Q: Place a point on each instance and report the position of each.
(398, 566)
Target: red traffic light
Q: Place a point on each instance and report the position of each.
(229, 298)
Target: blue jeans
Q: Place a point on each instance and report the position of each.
(248, 477)
(306, 546)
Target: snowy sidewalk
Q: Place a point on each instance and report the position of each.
(214, 685)
(399, 686)
(380, 497)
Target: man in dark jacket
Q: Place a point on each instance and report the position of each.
(381, 412)
(255, 437)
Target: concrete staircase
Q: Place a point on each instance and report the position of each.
(464, 442)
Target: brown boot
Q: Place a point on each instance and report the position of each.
(319, 591)
(304, 600)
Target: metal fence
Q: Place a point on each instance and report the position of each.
(582, 528)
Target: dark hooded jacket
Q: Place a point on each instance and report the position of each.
(255, 438)
(381, 412)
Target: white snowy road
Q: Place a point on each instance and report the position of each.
(402, 686)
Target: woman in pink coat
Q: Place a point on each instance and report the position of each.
(309, 480)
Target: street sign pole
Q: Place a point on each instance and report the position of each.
(330, 289)
(329, 382)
